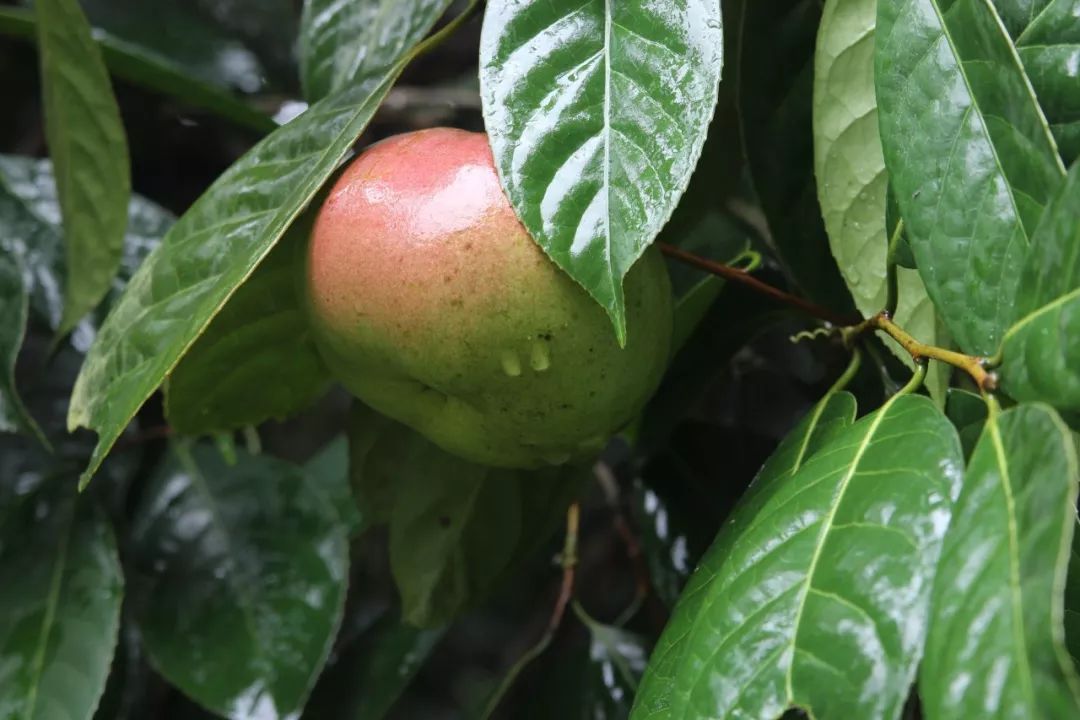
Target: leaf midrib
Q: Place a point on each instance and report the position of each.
(826, 526)
(48, 621)
(1016, 596)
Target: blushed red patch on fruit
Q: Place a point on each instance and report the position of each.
(411, 227)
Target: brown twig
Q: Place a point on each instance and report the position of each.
(741, 276)
(568, 560)
(973, 365)
(610, 487)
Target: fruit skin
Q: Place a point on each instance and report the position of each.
(431, 303)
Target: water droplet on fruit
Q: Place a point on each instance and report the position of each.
(511, 364)
(557, 458)
(540, 358)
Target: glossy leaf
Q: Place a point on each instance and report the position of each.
(830, 416)
(1018, 14)
(32, 231)
(851, 179)
(969, 153)
(371, 673)
(617, 660)
(207, 255)
(1072, 597)
(14, 308)
(666, 545)
(775, 40)
(1048, 46)
(344, 42)
(87, 145)
(256, 360)
(996, 643)
(141, 65)
(38, 238)
(60, 594)
(597, 113)
(1041, 352)
(329, 470)
(244, 570)
(816, 593)
(968, 413)
(456, 528)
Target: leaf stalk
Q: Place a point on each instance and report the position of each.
(971, 364)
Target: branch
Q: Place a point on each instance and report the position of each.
(741, 276)
(973, 365)
(568, 560)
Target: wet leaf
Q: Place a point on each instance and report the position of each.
(852, 182)
(597, 113)
(86, 142)
(372, 672)
(816, 592)
(329, 469)
(996, 641)
(14, 307)
(243, 572)
(163, 71)
(1072, 598)
(666, 543)
(207, 255)
(968, 412)
(1046, 40)
(38, 238)
(1041, 351)
(60, 594)
(617, 660)
(344, 42)
(256, 360)
(456, 528)
(969, 154)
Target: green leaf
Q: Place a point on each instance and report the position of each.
(617, 660)
(1046, 40)
(87, 145)
(456, 528)
(597, 113)
(852, 182)
(244, 571)
(344, 43)
(329, 469)
(1041, 351)
(1018, 14)
(141, 65)
(37, 236)
(257, 359)
(60, 595)
(666, 545)
(996, 643)
(207, 255)
(969, 154)
(818, 589)
(14, 307)
(968, 413)
(775, 40)
(1072, 596)
(371, 673)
